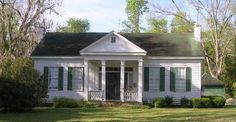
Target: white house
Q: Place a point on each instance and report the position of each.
(121, 66)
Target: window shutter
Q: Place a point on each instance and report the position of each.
(188, 78)
(83, 79)
(60, 79)
(172, 79)
(162, 79)
(69, 84)
(146, 78)
(45, 76)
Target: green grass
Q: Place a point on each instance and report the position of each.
(121, 114)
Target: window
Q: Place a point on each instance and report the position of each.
(78, 78)
(154, 79)
(180, 79)
(53, 78)
(113, 39)
(130, 84)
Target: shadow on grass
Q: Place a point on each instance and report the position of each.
(122, 114)
(46, 115)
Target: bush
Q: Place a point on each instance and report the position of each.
(168, 101)
(159, 102)
(184, 102)
(87, 104)
(219, 102)
(21, 86)
(197, 103)
(63, 102)
(201, 103)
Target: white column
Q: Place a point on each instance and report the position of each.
(86, 75)
(122, 80)
(140, 80)
(104, 79)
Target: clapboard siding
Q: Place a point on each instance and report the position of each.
(39, 64)
(65, 63)
(196, 78)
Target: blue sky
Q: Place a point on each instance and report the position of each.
(103, 15)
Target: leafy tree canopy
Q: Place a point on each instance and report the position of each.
(75, 25)
(134, 9)
(157, 25)
(181, 25)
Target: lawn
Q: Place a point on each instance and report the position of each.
(122, 114)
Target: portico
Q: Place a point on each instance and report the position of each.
(113, 51)
(116, 78)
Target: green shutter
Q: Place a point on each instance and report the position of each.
(162, 79)
(188, 78)
(45, 77)
(69, 84)
(60, 79)
(172, 79)
(146, 78)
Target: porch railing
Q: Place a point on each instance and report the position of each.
(131, 96)
(95, 95)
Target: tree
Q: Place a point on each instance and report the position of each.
(181, 25)
(21, 86)
(20, 21)
(75, 25)
(134, 9)
(218, 16)
(157, 25)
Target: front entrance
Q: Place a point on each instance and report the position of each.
(113, 85)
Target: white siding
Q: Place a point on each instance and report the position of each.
(196, 78)
(39, 64)
(147, 96)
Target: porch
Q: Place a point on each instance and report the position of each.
(114, 80)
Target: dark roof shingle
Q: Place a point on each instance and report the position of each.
(169, 44)
(208, 80)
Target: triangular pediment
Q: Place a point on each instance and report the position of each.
(112, 44)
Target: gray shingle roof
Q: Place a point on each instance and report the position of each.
(207, 80)
(169, 44)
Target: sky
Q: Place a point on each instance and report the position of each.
(103, 15)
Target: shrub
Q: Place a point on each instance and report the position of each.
(159, 102)
(184, 102)
(201, 103)
(197, 103)
(168, 101)
(63, 102)
(21, 86)
(87, 104)
(219, 102)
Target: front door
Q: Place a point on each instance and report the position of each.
(113, 85)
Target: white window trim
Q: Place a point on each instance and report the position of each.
(77, 90)
(183, 80)
(49, 78)
(156, 79)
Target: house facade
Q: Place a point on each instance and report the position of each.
(120, 66)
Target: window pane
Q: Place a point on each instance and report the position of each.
(53, 78)
(77, 78)
(154, 79)
(180, 83)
